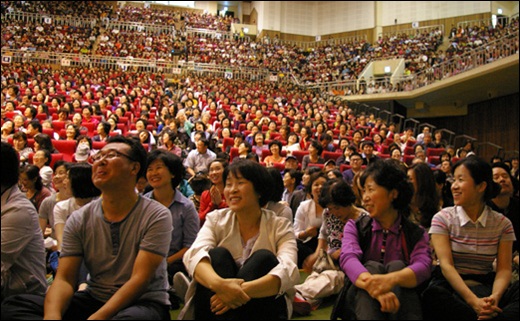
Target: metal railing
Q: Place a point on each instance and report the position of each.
(50, 19)
(469, 60)
(213, 34)
(413, 32)
(321, 43)
(149, 28)
(472, 23)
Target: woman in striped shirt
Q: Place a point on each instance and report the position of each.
(473, 245)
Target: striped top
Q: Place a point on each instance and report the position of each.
(474, 245)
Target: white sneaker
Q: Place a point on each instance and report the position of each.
(180, 284)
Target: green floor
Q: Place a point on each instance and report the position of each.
(322, 313)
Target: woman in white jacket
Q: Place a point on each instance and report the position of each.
(243, 261)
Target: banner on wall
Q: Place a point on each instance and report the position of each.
(6, 59)
(228, 74)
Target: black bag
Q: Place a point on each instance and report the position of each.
(340, 309)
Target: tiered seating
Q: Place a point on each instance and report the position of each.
(54, 158)
(66, 147)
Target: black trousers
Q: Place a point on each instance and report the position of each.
(256, 266)
(441, 302)
(364, 307)
(82, 306)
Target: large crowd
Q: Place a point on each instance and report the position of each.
(139, 194)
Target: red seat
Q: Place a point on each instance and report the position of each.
(344, 167)
(122, 127)
(228, 141)
(91, 127)
(54, 158)
(124, 120)
(233, 152)
(98, 145)
(316, 165)
(408, 150)
(299, 154)
(41, 117)
(66, 147)
(48, 131)
(11, 114)
(57, 125)
(63, 133)
(279, 166)
(434, 152)
(265, 153)
(408, 159)
(435, 160)
(330, 155)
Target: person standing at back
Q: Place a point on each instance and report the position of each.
(23, 251)
(123, 239)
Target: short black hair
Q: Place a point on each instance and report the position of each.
(200, 183)
(275, 142)
(10, 165)
(45, 142)
(47, 154)
(204, 140)
(33, 172)
(296, 174)
(61, 162)
(106, 126)
(80, 177)
(388, 174)
(255, 173)
(313, 177)
(35, 123)
(336, 192)
(277, 184)
(253, 156)
(137, 151)
(317, 145)
(480, 171)
(172, 162)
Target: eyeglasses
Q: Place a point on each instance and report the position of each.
(108, 156)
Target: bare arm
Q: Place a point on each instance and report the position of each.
(190, 171)
(62, 289)
(442, 246)
(43, 225)
(58, 231)
(503, 270)
(229, 291)
(176, 256)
